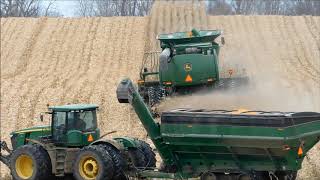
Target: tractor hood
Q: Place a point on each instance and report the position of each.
(33, 129)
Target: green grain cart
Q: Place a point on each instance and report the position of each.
(221, 144)
(188, 61)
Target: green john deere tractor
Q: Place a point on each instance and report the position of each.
(189, 61)
(72, 145)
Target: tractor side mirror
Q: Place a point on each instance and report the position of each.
(41, 117)
(222, 40)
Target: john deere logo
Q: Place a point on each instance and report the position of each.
(187, 67)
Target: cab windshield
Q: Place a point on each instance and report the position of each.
(84, 120)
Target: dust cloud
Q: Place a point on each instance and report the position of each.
(266, 91)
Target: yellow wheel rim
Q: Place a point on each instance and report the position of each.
(24, 166)
(88, 167)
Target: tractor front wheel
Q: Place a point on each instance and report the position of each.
(30, 162)
(93, 163)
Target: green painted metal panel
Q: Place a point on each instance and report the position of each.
(73, 107)
(202, 68)
(193, 36)
(215, 147)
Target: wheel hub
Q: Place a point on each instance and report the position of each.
(24, 166)
(89, 168)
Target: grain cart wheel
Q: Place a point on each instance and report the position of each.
(118, 162)
(208, 176)
(93, 163)
(286, 175)
(30, 162)
(149, 155)
(137, 158)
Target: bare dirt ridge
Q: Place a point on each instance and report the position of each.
(81, 60)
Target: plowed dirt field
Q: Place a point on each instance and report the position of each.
(81, 60)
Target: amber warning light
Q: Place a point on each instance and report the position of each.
(90, 138)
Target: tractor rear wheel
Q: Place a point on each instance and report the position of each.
(30, 162)
(93, 163)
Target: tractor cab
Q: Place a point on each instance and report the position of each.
(74, 125)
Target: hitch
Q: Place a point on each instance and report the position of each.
(5, 159)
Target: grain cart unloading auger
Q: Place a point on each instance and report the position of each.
(189, 61)
(218, 144)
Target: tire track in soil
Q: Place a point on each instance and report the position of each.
(269, 45)
(14, 96)
(104, 110)
(82, 66)
(26, 102)
(69, 60)
(26, 55)
(107, 102)
(119, 57)
(5, 55)
(3, 30)
(86, 82)
(287, 41)
(311, 25)
(7, 28)
(3, 21)
(243, 23)
(306, 46)
(316, 21)
(54, 74)
(122, 66)
(13, 38)
(291, 64)
(105, 36)
(299, 56)
(78, 31)
(106, 46)
(12, 48)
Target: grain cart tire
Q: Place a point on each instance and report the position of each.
(30, 162)
(93, 163)
(149, 155)
(286, 175)
(118, 161)
(137, 158)
(208, 176)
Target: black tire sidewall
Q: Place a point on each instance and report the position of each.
(150, 156)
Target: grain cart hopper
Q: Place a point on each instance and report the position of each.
(188, 61)
(72, 145)
(217, 144)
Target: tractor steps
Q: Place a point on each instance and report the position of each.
(60, 162)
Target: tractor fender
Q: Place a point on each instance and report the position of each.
(127, 142)
(111, 142)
